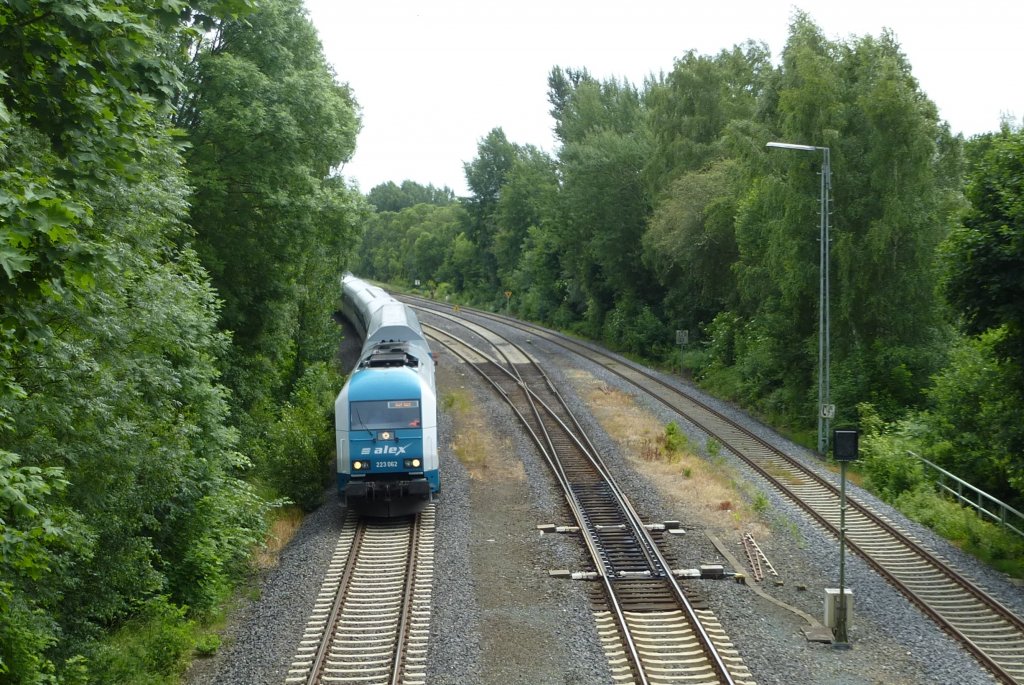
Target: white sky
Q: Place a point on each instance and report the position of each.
(433, 77)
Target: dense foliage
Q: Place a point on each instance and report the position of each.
(389, 197)
(127, 504)
(977, 399)
(267, 122)
(662, 209)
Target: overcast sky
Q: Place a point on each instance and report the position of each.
(433, 77)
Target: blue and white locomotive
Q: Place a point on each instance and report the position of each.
(386, 414)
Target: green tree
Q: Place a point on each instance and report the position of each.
(415, 243)
(486, 175)
(984, 256)
(389, 197)
(892, 198)
(690, 243)
(689, 109)
(973, 422)
(117, 465)
(606, 208)
(541, 289)
(581, 105)
(527, 199)
(603, 204)
(267, 123)
(978, 397)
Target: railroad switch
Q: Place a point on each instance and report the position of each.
(633, 574)
(552, 528)
(574, 575)
(686, 572)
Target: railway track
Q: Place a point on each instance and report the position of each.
(651, 631)
(371, 619)
(992, 633)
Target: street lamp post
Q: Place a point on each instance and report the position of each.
(826, 410)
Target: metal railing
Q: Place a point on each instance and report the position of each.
(985, 504)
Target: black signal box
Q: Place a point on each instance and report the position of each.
(844, 443)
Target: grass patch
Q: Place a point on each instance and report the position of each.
(152, 649)
(987, 541)
(703, 486)
(470, 443)
(285, 521)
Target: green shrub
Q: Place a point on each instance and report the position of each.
(675, 440)
(216, 545)
(152, 649)
(886, 461)
(961, 525)
(298, 450)
(207, 644)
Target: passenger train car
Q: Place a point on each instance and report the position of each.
(386, 414)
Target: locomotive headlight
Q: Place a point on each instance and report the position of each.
(359, 465)
(386, 435)
(413, 463)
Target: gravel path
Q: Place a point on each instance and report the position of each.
(499, 619)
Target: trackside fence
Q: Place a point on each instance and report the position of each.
(985, 504)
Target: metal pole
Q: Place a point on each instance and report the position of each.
(824, 318)
(826, 191)
(841, 638)
(821, 314)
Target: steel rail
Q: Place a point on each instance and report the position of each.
(657, 560)
(650, 546)
(404, 618)
(574, 505)
(325, 644)
(615, 364)
(316, 673)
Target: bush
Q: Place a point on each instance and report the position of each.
(885, 455)
(216, 546)
(962, 526)
(675, 440)
(148, 650)
(299, 446)
(32, 538)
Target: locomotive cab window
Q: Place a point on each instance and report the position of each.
(376, 414)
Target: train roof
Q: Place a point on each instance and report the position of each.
(401, 383)
(351, 284)
(381, 319)
(393, 322)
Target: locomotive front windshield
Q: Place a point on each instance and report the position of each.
(378, 414)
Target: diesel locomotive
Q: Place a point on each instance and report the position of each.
(386, 414)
